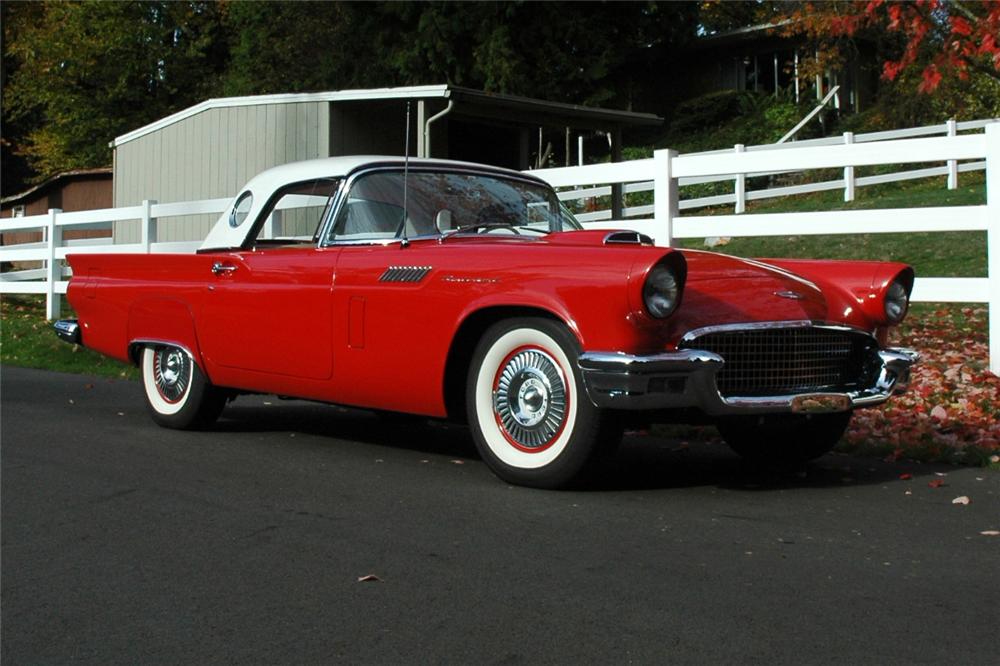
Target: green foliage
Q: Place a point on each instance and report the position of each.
(28, 341)
(724, 119)
(93, 70)
(590, 53)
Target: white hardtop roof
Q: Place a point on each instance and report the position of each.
(261, 186)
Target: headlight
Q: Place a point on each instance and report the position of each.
(896, 302)
(661, 292)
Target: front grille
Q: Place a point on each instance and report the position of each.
(782, 361)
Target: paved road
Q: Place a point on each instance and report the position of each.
(124, 542)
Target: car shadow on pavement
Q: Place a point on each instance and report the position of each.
(650, 462)
(400, 431)
(642, 462)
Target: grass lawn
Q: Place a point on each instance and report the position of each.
(27, 340)
(945, 254)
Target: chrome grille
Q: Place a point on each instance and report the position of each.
(782, 361)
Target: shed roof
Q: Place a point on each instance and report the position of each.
(64, 176)
(475, 99)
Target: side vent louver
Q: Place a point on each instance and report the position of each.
(405, 274)
(627, 238)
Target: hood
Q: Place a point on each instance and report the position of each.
(728, 290)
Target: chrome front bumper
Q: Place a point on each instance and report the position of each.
(686, 379)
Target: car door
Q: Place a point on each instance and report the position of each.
(268, 311)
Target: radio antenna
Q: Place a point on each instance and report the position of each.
(406, 173)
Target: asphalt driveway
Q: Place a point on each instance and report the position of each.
(125, 542)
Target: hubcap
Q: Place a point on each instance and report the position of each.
(171, 372)
(530, 398)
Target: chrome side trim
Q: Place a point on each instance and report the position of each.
(68, 330)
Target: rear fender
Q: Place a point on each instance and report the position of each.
(162, 320)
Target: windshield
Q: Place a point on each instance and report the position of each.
(445, 203)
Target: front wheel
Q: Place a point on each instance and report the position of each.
(529, 414)
(784, 438)
(177, 393)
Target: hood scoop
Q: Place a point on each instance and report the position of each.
(627, 238)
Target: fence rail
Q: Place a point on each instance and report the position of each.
(848, 183)
(666, 171)
(662, 175)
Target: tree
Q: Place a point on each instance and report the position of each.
(952, 39)
(90, 71)
(592, 53)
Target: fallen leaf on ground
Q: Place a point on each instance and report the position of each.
(457, 462)
(905, 477)
(939, 413)
(936, 483)
(370, 578)
(964, 499)
(990, 532)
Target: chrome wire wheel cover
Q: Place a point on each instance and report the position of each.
(530, 399)
(171, 372)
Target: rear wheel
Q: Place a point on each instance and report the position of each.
(529, 414)
(177, 393)
(784, 438)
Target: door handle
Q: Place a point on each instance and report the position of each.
(220, 268)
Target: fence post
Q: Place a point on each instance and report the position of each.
(952, 164)
(993, 241)
(664, 195)
(740, 185)
(53, 238)
(148, 229)
(848, 171)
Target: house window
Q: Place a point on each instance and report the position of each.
(17, 211)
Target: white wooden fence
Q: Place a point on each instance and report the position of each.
(662, 175)
(848, 183)
(666, 169)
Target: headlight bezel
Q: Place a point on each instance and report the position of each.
(896, 301)
(661, 291)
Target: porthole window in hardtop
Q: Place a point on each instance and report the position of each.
(295, 213)
(445, 202)
(240, 210)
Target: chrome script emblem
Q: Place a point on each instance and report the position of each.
(795, 296)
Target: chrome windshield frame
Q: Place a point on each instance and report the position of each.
(348, 182)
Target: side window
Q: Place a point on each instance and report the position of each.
(295, 213)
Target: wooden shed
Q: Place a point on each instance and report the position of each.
(81, 189)
(209, 150)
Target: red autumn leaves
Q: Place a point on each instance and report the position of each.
(953, 406)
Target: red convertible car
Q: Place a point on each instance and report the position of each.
(465, 292)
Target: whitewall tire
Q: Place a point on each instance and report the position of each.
(177, 393)
(528, 411)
